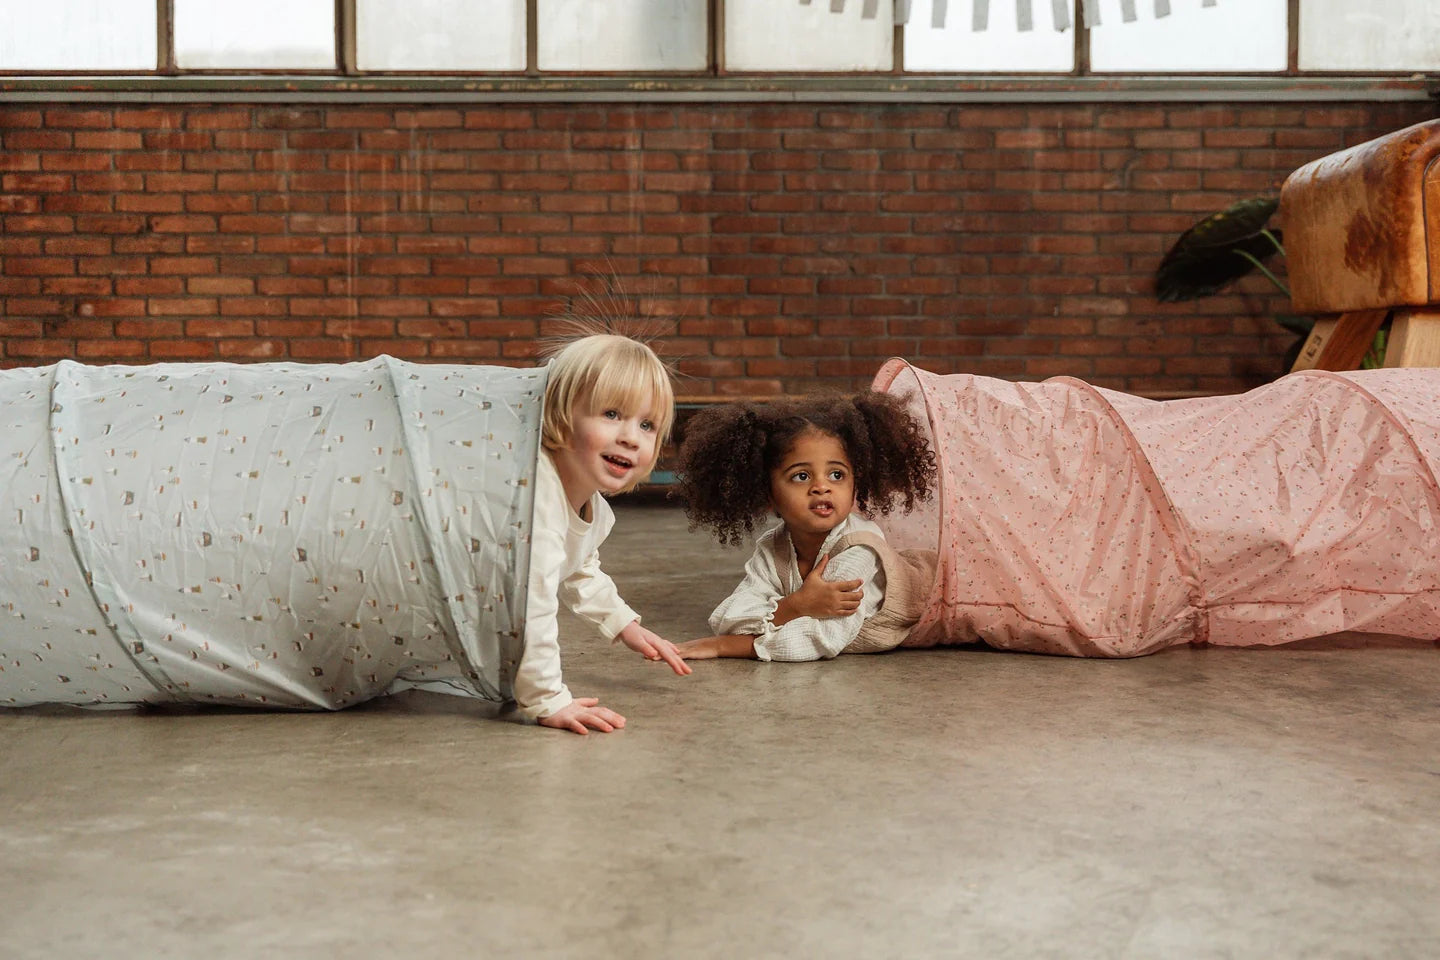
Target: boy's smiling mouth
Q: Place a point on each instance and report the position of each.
(618, 465)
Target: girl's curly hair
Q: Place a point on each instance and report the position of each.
(728, 452)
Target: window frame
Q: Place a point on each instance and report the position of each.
(346, 81)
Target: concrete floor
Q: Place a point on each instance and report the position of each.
(1195, 804)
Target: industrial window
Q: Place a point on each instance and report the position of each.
(118, 35)
(716, 38)
(424, 35)
(279, 34)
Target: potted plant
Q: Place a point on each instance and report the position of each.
(1226, 246)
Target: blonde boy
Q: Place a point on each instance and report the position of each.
(608, 409)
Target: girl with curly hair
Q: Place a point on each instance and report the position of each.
(822, 581)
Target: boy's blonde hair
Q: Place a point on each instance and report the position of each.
(599, 372)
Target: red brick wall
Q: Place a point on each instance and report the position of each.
(793, 246)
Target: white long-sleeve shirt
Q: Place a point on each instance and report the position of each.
(564, 564)
(771, 574)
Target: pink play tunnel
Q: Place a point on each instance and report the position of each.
(1076, 520)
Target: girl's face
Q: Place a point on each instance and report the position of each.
(609, 450)
(813, 488)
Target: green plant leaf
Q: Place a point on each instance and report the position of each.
(1218, 250)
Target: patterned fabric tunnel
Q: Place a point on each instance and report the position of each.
(1076, 520)
(288, 535)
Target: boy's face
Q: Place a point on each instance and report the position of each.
(608, 450)
(813, 489)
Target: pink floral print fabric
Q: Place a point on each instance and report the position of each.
(1081, 521)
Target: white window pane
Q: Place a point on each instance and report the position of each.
(78, 35)
(1233, 35)
(440, 34)
(1000, 48)
(621, 34)
(261, 34)
(1376, 35)
(789, 35)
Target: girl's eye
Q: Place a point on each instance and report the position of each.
(647, 425)
(837, 475)
(800, 476)
(612, 414)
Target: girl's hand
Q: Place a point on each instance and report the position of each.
(584, 712)
(821, 598)
(706, 648)
(652, 646)
(709, 648)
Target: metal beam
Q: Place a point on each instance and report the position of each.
(881, 88)
(165, 35)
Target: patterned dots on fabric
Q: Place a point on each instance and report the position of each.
(273, 534)
(1076, 520)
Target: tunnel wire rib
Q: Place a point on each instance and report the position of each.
(1181, 536)
(169, 689)
(1397, 418)
(427, 512)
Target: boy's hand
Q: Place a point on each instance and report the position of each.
(818, 597)
(583, 712)
(652, 646)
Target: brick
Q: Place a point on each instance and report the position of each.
(38, 350)
(214, 329)
(466, 349)
(108, 140)
(245, 140)
(37, 140)
(250, 182)
(109, 349)
(82, 246)
(75, 286)
(77, 203)
(221, 286)
(15, 203)
(219, 119)
(39, 224)
(178, 306)
(322, 140)
(216, 243)
(729, 369)
(182, 350)
(39, 266)
(149, 203)
(34, 183)
(353, 286)
(251, 349)
(251, 223)
(20, 117)
(45, 306)
(63, 118)
(161, 266)
(148, 286)
(113, 265)
(431, 286)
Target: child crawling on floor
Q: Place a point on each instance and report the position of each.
(822, 581)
